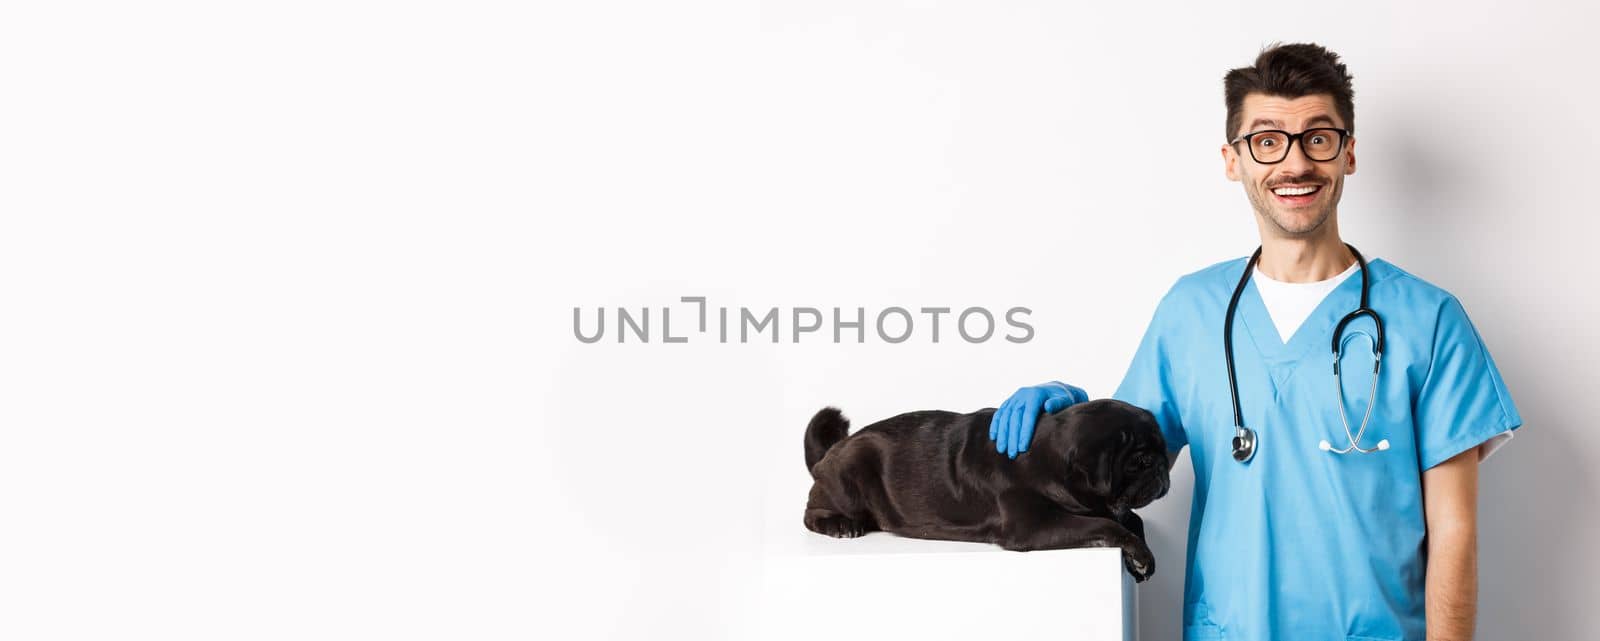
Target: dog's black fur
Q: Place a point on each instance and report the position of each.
(937, 475)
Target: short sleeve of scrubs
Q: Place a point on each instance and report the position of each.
(1148, 383)
(1463, 402)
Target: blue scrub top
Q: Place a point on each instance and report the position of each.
(1300, 543)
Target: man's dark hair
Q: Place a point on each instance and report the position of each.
(1291, 71)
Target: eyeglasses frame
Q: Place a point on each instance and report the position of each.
(1344, 135)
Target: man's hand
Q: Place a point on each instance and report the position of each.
(1450, 504)
(1012, 425)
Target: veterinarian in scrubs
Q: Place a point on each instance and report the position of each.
(1298, 542)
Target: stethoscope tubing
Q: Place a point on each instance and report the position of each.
(1338, 388)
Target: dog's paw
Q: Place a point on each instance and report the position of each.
(1140, 562)
(835, 525)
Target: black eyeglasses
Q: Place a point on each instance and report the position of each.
(1270, 146)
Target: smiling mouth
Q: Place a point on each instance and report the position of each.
(1295, 195)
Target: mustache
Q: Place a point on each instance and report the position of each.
(1308, 178)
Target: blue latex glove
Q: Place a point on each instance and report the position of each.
(1011, 428)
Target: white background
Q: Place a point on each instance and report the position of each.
(286, 288)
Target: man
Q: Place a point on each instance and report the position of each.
(1330, 528)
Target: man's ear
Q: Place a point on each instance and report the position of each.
(1230, 163)
(1350, 157)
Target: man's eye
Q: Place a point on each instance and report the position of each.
(1318, 140)
(1268, 142)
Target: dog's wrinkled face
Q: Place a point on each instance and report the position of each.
(1114, 451)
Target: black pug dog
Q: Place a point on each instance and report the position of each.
(936, 475)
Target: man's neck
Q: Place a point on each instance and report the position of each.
(1304, 260)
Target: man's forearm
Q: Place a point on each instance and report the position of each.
(1452, 584)
(1450, 499)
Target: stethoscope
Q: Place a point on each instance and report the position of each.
(1244, 438)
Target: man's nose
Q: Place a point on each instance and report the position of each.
(1296, 164)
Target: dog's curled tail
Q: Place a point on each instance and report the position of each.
(827, 427)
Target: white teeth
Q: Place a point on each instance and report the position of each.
(1293, 191)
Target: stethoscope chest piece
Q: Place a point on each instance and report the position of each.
(1244, 444)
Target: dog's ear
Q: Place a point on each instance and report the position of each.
(1105, 469)
(1061, 428)
(1088, 465)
